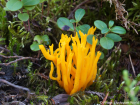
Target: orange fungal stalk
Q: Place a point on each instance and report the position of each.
(76, 67)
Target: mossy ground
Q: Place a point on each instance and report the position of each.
(34, 74)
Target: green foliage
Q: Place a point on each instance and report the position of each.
(83, 99)
(72, 21)
(134, 11)
(41, 1)
(18, 36)
(118, 30)
(104, 30)
(103, 27)
(89, 37)
(107, 80)
(3, 26)
(30, 2)
(37, 83)
(111, 23)
(79, 14)
(44, 98)
(40, 40)
(114, 37)
(107, 42)
(138, 77)
(35, 46)
(29, 66)
(83, 28)
(100, 24)
(130, 87)
(15, 5)
(29, 8)
(23, 16)
(62, 22)
(102, 55)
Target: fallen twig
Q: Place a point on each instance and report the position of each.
(7, 50)
(11, 56)
(77, 8)
(16, 86)
(110, 102)
(97, 93)
(132, 65)
(19, 59)
(1, 72)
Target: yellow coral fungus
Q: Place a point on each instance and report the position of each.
(76, 68)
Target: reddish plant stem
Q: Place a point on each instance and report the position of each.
(25, 26)
(39, 52)
(105, 98)
(29, 25)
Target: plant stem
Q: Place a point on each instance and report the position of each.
(75, 29)
(106, 33)
(29, 25)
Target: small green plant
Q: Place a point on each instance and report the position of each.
(108, 34)
(131, 89)
(3, 26)
(18, 36)
(107, 42)
(135, 10)
(40, 40)
(44, 98)
(23, 6)
(67, 25)
(18, 31)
